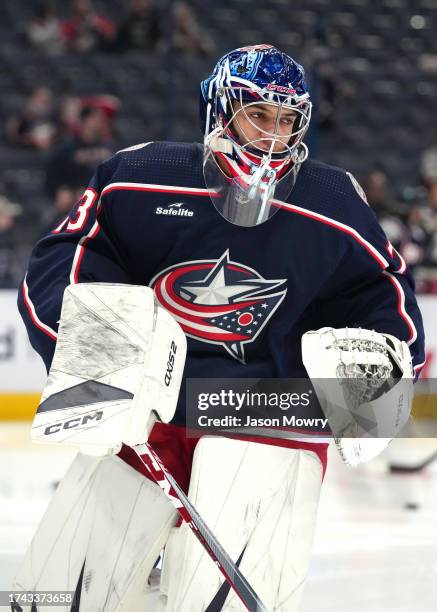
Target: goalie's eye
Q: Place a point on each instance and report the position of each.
(289, 120)
(255, 115)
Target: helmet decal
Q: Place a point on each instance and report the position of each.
(261, 69)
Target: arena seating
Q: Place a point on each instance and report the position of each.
(379, 57)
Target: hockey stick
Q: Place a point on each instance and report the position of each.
(190, 515)
(399, 468)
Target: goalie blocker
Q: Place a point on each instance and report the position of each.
(118, 364)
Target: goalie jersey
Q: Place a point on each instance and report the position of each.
(244, 296)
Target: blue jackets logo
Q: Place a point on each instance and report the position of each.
(219, 301)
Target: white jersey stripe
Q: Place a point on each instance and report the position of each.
(391, 250)
(157, 188)
(337, 224)
(32, 312)
(135, 147)
(77, 259)
(401, 308)
(285, 206)
(371, 249)
(419, 366)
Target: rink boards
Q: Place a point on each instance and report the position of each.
(22, 373)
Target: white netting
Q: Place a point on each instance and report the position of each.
(361, 381)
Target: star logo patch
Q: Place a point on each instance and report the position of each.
(220, 301)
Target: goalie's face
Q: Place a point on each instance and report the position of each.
(262, 125)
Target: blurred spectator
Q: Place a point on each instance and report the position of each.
(325, 86)
(379, 194)
(35, 126)
(328, 91)
(71, 106)
(429, 223)
(44, 31)
(188, 36)
(414, 249)
(12, 264)
(397, 219)
(399, 234)
(64, 199)
(428, 165)
(74, 163)
(141, 28)
(421, 248)
(87, 30)
(109, 105)
(69, 114)
(422, 223)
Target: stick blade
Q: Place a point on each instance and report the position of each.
(405, 468)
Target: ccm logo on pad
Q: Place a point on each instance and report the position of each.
(170, 364)
(72, 423)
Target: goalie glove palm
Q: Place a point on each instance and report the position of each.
(363, 380)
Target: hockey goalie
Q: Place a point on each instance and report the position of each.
(279, 271)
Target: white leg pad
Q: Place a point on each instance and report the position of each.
(108, 516)
(257, 498)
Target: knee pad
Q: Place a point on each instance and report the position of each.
(261, 502)
(100, 535)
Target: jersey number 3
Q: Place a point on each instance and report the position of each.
(80, 214)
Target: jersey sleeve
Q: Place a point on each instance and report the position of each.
(375, 289)
(83, 248)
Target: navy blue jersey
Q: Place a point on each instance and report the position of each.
(243, 295)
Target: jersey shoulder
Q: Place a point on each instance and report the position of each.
(158, 163)
(331, 191)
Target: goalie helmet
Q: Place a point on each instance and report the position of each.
(255, 110)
